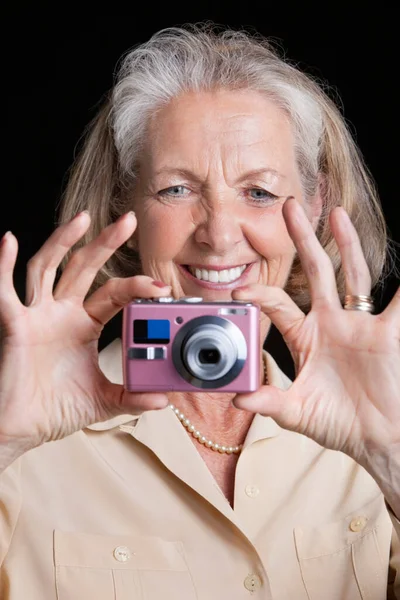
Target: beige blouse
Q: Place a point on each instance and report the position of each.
(128, 510)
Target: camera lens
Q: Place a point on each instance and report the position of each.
(209, 356)
(209, 351)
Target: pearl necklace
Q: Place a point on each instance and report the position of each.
(201, 438)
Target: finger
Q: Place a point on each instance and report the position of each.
(42, 267)
(316, 264)
(123, 401)
(269, 401)
(10, 304)
(277, 305)
(356, 271)
(392, 311)
(108, 300)
(85, 263)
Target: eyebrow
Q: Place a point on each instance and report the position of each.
(262, 171)
(189, 174)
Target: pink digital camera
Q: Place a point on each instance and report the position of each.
(190, 345)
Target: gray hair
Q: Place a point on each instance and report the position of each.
(175, 61)
(200, 58)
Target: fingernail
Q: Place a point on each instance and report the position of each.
(127, 215)
(5, 237)
(80, 214)
(160, 284)
(243, 288)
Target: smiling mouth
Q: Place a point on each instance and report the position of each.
(213, 276)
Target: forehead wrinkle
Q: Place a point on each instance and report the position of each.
(222, 166)
(217, 145)
(239, 168)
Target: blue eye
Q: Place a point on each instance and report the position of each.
(260, 196)
(175, 191)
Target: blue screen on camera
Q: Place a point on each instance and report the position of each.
(158, 329)
(151, 331)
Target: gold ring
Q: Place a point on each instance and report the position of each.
(359, 302)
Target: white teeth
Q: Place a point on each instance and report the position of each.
(224, 276)
(233, 273)
(213, 276)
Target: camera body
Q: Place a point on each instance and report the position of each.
(191, 345)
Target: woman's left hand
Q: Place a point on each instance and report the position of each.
(346, 394)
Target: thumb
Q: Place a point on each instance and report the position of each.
(268, 401)
(120, 401)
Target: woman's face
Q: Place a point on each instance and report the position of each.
(215, 172)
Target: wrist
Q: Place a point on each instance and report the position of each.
(383, 464)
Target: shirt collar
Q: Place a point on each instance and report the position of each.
(110, 362)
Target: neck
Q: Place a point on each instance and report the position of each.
(214, 416)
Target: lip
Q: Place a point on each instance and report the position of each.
(216, 286)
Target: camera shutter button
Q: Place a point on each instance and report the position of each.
(191, 299)
(164, 299)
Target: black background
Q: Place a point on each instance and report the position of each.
(60, 58)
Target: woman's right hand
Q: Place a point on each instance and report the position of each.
(50, 381)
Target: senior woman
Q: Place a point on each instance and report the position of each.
(245, 184)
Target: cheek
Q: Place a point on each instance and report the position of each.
(269, 236)
(162, 231)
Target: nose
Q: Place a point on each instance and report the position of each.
(220, 229)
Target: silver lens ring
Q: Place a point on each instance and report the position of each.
(208, 338)
(213, 333)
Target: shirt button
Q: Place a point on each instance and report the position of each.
(252, 582)
(252, 491)
(358, 524)
(122, 553)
